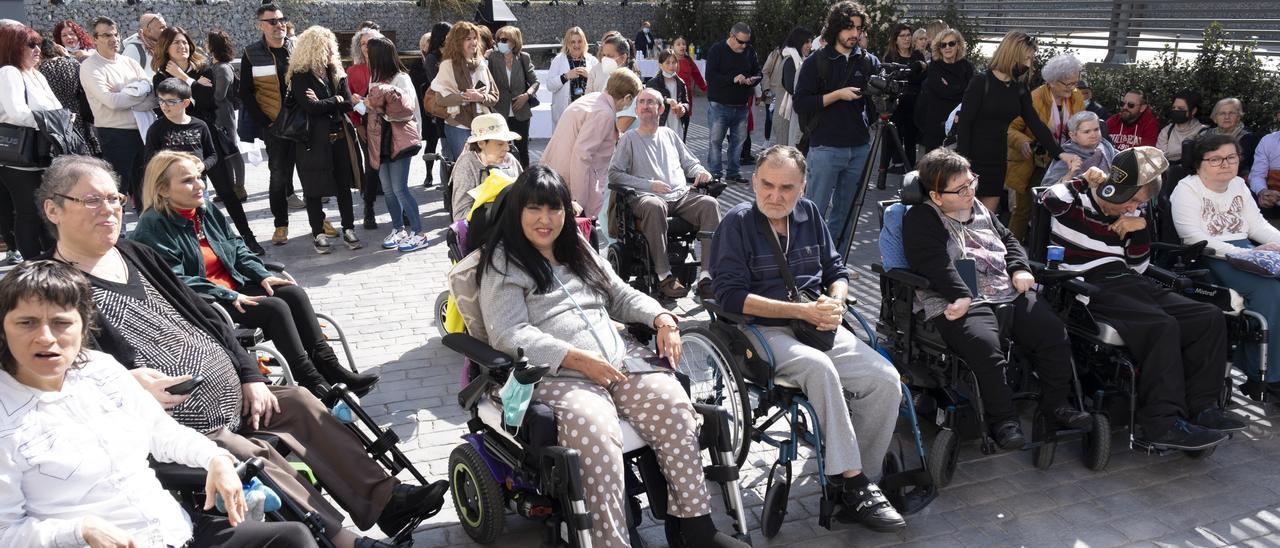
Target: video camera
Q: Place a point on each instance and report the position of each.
(892, 80)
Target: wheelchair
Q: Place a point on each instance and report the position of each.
(499, 467)
(629, 254)
(944, 387)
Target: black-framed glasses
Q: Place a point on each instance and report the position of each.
(1130, 105)
(276, 21)
(107, 35)
(171, 102)
(965, 191)
(93, 201)
(949, 44)
(1230, 160)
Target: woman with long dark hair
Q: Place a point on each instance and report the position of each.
(23, 91)
(392, 123)
(544, 290)
(786, 126)
(225, 103)
(899, 50)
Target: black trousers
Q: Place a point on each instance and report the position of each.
(522, 146)
(224, 183)
(209, 531)
(287, 319)
(1035, 328)
(1180, 345)
(280, 160)
(29, 232)
(122, 148)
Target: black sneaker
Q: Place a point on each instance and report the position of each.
(867, 505)
(411, 501)
(254, 246)
(1216, 418)
(735, 179)
(1183, 436)
(1069, 417)
(1008, 435)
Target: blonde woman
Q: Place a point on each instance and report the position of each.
(465, 86)
(567, 77)
(945, 80)
(329, 162)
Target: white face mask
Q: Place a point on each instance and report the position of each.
(645, 30)
(74, 48)
(504, 48)
(608, 65)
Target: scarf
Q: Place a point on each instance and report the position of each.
(1239, 130)
(785, 104)
(1058, 116)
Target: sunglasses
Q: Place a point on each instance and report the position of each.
(33, 45)
(1130, 105)
(275, 22)
(949, 44)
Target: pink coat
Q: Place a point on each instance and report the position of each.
(581, 148)
(398, 107)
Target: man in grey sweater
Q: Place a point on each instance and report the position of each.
(654, 161)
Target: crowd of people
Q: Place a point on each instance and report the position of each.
(160, 117)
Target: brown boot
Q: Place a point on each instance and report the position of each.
(672, 288)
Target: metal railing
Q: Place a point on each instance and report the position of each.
(1120, 27)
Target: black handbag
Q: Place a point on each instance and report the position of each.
(805, 332)
(292, 123)
(19, 146)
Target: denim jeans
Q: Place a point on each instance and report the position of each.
(832, 184)
(722, 119)
(395, 191)
(455, 141)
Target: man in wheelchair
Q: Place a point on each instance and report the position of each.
(854, 390)
(1180, 344)
(654, 161)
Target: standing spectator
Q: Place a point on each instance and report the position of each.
(114, 85)
(512, 70)
(567, 77)
(899, 50)
(1228, 119)
(23, 91)
(263, 84)
(990, 104)
(1089, 104)
(675, 109)
(582, 145)
(732, 73)
(1264, 176)
(644, 41)
(1184, 124)
(141, 46)
(422, 73)
(786, 124)
(1056, 101)
(329, 162)
(358, 83)
(63, 73)
(226, 101)
(393, 121)
(1134, 125)
(689, 73)
(70, 35)
(615, 53)
(828, 92)
(176, 57)
(945, 80)
(464, 84)
(178, 131)
(920, 43)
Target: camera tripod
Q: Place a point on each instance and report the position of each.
(882, 129)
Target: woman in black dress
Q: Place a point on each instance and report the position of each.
(991, 102)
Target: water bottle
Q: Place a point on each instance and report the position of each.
(1054, 256)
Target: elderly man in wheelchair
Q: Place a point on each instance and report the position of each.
(648, 171)
(1180, 344)
(544, 295)
(853, 390)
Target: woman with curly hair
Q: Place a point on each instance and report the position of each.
(72, 36)
(464, 83)
(329, 163)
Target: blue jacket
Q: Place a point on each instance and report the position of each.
(742, 260)
(844, 123)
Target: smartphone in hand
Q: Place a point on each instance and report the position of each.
(184, 388)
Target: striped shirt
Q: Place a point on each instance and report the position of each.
(1083, 230)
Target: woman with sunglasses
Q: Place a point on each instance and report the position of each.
(945, 80)
(23, 91)
(974, 265)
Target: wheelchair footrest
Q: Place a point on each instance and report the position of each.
(721, 473)
(383, 444)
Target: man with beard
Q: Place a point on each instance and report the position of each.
(1134, 125)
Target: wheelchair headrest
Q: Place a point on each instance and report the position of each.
(912, 192)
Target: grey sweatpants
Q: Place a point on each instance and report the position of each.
(652, 212)
(854, 390)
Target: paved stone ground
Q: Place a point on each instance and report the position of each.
(384, 300)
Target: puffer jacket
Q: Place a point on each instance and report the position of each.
(391, 106)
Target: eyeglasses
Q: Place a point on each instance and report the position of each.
(1131, 105)
(1069, 85)
(276, 21)
(172, 102)
(965, 191)
(949, 44)
(1231, 113)
(93, 201)
(1223, 161)
(107, 35)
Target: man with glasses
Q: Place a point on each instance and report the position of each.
(117, 87)
(833, 115)
(1134, 125)
(263, 85)
(141, 46)
(732, 74)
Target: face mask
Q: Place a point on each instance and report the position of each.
(1019, 70)
(1179, 116)
(504, 48)
(668, 74)
(645, 30)
(608, 65)
(515, 401)
(74, 48)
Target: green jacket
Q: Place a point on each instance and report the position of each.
(174, 238)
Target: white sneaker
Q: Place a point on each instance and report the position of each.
(349, 238)
(413, 242)
(392, 241)
(321, 244)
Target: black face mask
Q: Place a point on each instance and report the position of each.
(1179, 116)
(1019, 70)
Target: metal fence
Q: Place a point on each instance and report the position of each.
(1120, 27)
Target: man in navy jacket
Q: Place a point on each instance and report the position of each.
(732, 73)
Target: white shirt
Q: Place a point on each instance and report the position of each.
(82, 451)
(1219, 217)
(22, 92)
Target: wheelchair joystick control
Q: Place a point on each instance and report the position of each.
(1054, 256)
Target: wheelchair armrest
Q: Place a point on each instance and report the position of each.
(622, 189)
(178, 477)
(250, 337)
(902, 276)
(1187, 252)
(1170, 279)
(714, 307)
(477, 351)
(712, 188)
(274, 266)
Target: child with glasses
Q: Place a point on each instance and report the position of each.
(177, 130)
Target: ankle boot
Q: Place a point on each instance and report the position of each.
(306, 375)
(333, 370)
(701, 532)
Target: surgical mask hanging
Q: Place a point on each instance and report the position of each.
(504, 48)
(515, 397)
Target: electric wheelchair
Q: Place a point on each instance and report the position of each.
(945, 389)
(500, 467)
(629, 254)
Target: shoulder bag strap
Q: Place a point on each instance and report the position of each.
(778, 254)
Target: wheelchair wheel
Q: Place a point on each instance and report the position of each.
(1042, 455)
(442, 302)
(613, 254)
(1097, 443)
(944, 454)
(775, 505)
(477, 496)
(713, 380)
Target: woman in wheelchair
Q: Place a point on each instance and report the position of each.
(194, 239)
(78, 432)
(543, 290)
(976, 267)
(1215, 205)
(488, 148)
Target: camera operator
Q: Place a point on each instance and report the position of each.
(831, 107)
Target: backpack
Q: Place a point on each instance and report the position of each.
(233, 92)
(810, 122)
